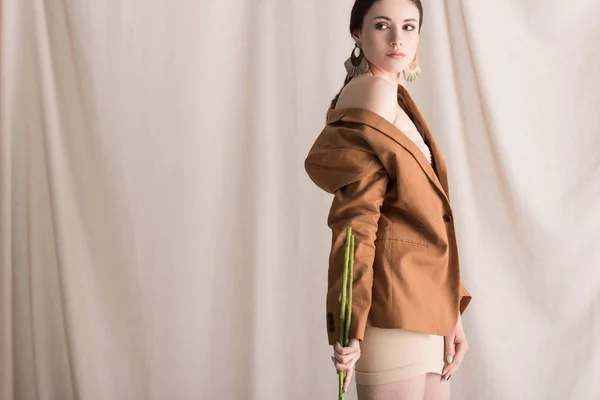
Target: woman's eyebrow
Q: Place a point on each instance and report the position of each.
(389, 19)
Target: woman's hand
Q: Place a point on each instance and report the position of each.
(456, 348)
(344, 358)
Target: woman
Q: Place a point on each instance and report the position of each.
(378, 157)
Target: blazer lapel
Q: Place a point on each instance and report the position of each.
(436, 154)
(361, 115)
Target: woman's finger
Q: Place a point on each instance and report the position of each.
(346, 358)
(344, 350)
(351, 360)
(338, 365)
(449, 369)
(449, 348)
(342, 367)
(346, 354)
(347, 379)
(449, 354)
(452, 366)
(338, 349)
(449, 373)
(345, 366)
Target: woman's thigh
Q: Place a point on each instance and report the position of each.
(435, 388)
(405, 389)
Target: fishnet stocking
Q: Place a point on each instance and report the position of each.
(435, 389)
(406, 389)
(422, 387)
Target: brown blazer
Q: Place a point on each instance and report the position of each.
(406, 267)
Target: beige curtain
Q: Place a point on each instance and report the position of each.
(159, 238)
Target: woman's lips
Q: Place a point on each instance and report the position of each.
(396, 55)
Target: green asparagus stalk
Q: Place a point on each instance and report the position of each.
(346, 306)
(349, 295)
(344, 284)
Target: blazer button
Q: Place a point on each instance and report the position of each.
(448, 218)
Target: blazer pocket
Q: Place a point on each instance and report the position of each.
(413, 237)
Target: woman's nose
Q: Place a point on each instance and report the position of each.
(397, 38)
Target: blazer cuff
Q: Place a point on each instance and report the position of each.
(465, 298)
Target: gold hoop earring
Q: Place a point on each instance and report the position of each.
(356, 64)
(413, 71)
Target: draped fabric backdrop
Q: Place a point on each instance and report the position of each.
(161, 240)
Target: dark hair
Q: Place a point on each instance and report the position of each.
(357, 16)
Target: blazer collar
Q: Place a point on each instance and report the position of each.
(374, 120)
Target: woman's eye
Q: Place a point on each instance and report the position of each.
(380, 26)
(409, 27)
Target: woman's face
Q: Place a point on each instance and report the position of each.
(390, 21)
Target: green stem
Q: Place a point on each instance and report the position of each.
(345, 313)
(350, 283)
(344, 284)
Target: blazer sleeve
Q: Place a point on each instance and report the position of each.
(356, 203)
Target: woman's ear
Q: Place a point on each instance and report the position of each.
(356, 36)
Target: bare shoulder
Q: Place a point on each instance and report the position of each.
(371, 93)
